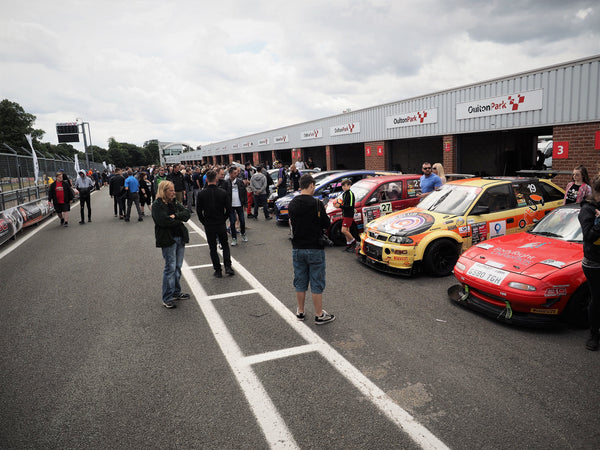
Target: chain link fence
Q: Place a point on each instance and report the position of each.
(17, 177)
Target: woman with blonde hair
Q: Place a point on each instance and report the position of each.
(171, 236)
(438, 169)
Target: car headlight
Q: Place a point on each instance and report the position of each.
(460, 266)
(521, 286)
(400, 240)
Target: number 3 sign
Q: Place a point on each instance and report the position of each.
(560, 150)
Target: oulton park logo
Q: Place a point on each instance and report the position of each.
(513, 103)
(422, 117)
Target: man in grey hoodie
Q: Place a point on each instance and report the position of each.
(258, 186)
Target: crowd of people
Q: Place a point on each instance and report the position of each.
(237, 192)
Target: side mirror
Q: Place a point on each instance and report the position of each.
(326, 193)
(372, 200)
(480, 209)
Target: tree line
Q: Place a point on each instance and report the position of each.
(15, 123)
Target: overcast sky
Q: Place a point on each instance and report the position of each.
(205, 71)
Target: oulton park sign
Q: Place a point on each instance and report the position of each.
(513, 103)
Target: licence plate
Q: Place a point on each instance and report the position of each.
(283, 211)
(487, 273)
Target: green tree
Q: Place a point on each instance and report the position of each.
(15, 123)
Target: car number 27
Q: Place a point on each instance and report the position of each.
(385, 208)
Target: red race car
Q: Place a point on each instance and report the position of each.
(530, 278)
(374, 197)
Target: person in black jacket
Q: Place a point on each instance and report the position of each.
(236, 191)
(589, 218)
(171, 236)
(116, 185)
(178, 180)
(60, 194)
(307, 221)
(213, 207)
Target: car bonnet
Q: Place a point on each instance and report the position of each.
(527, 254)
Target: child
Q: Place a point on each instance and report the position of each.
(347, 205)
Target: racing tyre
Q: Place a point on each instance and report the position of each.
(440, 257)
(576, 311)
(336, 235)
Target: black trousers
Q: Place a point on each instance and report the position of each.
(119, 202)
(593, 278)
(211, 236)
(260, 200)
(82, 201)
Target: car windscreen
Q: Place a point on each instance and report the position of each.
(562, 223)
(451, 199)
(361, 190)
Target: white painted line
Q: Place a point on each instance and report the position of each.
(404, 420)
(278, 354)
(269, 419)
(232, 294)
(196, 245)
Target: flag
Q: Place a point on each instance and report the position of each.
(104, 164)
(36, 167)
(76, 165)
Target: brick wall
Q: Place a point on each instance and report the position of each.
(581, 151)
(449, 152)
(376, 156)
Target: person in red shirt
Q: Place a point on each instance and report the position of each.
(60, 195)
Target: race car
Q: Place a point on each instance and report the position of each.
(326, 187)
(462, 213)
(531, 278)
(374, 197)
(272, 194)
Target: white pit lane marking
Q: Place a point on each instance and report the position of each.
(269, 419)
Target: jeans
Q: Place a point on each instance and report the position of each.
(260, 200)
(134, 197)
(211, 237)
(239, 210)
(173, 256)
(309, 265)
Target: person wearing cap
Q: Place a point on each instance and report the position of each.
(84, 185)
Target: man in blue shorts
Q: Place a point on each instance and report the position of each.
(429, 181)
(307, 220)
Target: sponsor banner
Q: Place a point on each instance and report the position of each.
(235, 146)
(507, 104)
(422, 117)
(312, 134)
(247, 144)
(340, 130)
(264, 141)
(14, 219)
(281, 139)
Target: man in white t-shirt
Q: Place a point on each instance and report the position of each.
(236, 190)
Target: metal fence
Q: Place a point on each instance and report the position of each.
(17, 177)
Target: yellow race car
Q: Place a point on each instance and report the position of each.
(432, 235)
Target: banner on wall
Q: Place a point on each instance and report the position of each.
(14, 219)
(423, 117)
(507, 104)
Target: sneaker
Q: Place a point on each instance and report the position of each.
(350, 247)
(181, 296)
(62, 221)
(268, 218)
(300, 315)
(593, 342)
(126, 219)
(244, 238)
(170, 304)
(121, 217)
(218, 274)
(66, 224)
(140, 219)
(229, 271)
(81, 222)
(233, 242)
(324, 318)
